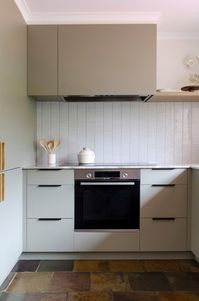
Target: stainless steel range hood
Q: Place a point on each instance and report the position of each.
(94, 98)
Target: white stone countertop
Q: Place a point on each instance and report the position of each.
(109, 166)
(195, 166)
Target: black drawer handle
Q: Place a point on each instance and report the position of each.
(163, 168)
(163, 185)
(163, 218)
(47, 169)
(49, 219)
(49, 185)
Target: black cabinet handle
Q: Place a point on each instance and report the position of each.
(163, 218)
(163, 168)
(49, 185)
(47, 169)
(163, 185)
(49, 219)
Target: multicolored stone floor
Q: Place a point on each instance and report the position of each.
(107, 280)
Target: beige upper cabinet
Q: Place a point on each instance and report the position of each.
(91, 60)
(106, 59)
(42, 60)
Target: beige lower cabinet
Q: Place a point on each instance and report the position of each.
(106, 241)
(163, 234)
(195, 213)
(50, 235)
(49, 214)
(163, 209)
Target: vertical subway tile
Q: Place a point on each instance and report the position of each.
(108, 132)
(160, 133)
(169, 133)
(134, 136)
(81, 125)
(117, 126)
(90, 125)
(39, 132)
(195, 132)
(187, 141)
(72, 132)
(64, 126)
(143, 132)
(121, 132)
(178, 125)
(152, 128)
(99, 132)
(125, 132)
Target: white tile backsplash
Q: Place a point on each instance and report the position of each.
(121, 132)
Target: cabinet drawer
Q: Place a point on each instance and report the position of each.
(163, 235)
(50, 236)
(164, 176)
(163, 201)
(50, 201)
(50, 177)
(106, 241)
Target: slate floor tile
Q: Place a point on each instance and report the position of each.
(12, 297)
(189, 266)
(26, 266)
(30, 282)
(180, 296)
(90, 296)
(135, 296)
(126, 266)
(184, 281)
(149, 282)
(33, 297)
(162, 265)
(7, 281)
(91, 266)
(55, 265)
(109, 281)
(69, 281)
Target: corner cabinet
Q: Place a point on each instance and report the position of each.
(91, 59)
(42, 60)
(164, 202)
(195, 213)
(49, 210)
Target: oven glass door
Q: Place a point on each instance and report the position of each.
(107, 205)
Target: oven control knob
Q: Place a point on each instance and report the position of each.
(89, 175)
(125, 175)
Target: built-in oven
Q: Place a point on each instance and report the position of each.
(107, 199)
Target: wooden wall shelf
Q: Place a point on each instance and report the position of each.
(175, 97)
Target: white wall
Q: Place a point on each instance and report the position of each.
(171, 68)
(17, 129)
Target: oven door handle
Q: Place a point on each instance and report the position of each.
(107, 183)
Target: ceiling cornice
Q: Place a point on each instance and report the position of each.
(24, 9)
(178, 36)
(87, 17)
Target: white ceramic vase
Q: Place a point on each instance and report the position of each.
(52, 159)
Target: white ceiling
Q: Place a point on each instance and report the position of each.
(172, 16)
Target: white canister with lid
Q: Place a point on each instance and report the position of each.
(86, 156)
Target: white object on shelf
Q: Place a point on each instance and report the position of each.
(86, 156)
(52, 159)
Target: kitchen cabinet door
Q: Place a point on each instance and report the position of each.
(163, 235)
(195, 213)
(107, 59)
(42, 60)
(50, 235)
(10, 222)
